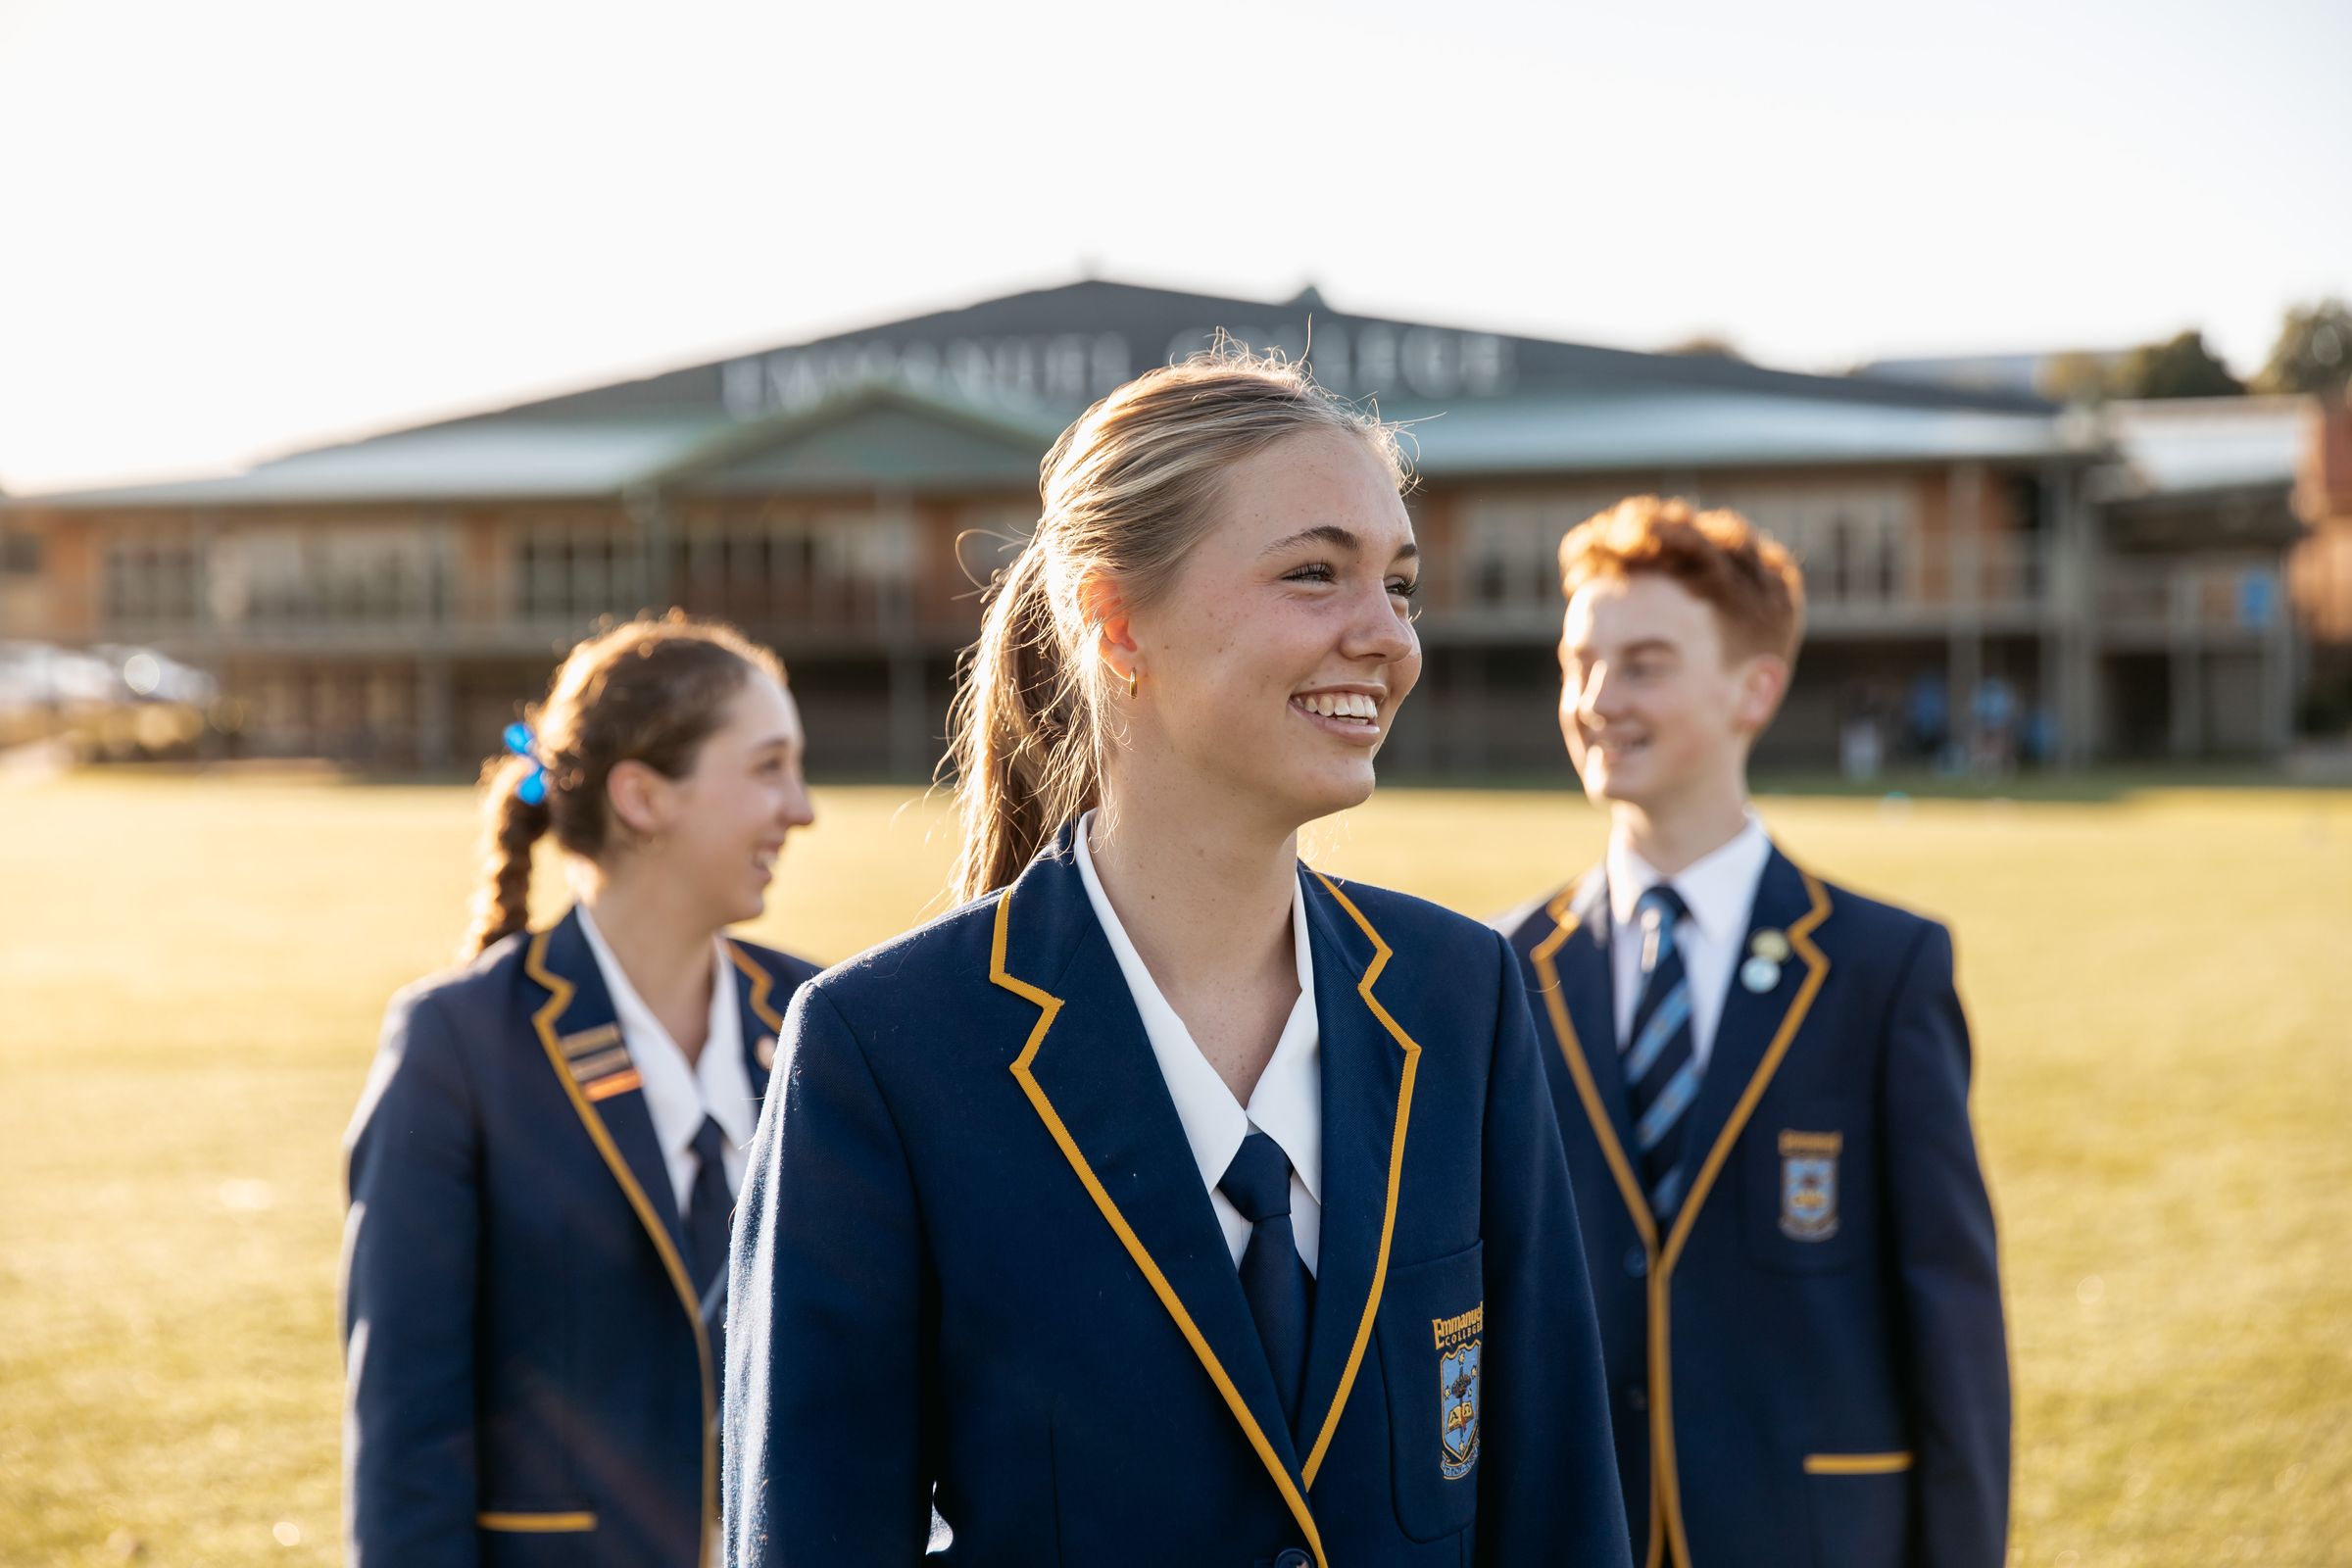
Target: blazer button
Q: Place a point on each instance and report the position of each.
(1637, 1397)
(1294, 1557)
(1637, 1263)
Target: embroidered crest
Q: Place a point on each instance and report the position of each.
(1458, 1341)
(1809, 1185)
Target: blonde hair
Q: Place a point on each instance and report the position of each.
(1126, 492)
(644, 691)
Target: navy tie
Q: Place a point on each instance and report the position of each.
(1274, 1278)
(1661, 1066)
(707, 1204)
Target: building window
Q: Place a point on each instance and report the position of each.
(299, 576)
(1510, 547)
(148, 583)
(20, 554)
(572, 572)
(1856, 540)
(785, 570)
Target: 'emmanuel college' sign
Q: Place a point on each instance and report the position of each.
(1353, 357)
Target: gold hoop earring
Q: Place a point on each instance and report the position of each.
(1131, 685)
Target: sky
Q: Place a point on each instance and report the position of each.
(238, 228)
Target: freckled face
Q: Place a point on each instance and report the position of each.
(1275, 663)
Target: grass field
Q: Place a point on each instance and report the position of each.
(191, 974)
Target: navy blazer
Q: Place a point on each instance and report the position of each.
(1808, 1362)
(526, 1357)
(976, 1266)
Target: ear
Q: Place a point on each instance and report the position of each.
(1763, 682)
(639, 798)
(1105, 608)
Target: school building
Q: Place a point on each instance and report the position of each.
(1974, 559)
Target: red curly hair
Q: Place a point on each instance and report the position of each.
(1753, 584)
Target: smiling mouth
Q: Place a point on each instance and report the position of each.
(1617, 748)
(1353, 714)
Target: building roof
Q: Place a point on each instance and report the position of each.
(972, 398)
(2175, 444)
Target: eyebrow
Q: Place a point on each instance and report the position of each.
(1331, 533)
(1648, 645)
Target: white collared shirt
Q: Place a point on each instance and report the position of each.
(678, 1095)
(1720, 889)
(1287, 1105)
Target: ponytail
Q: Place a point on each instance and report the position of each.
(642, 690)
(511, 827)
(1024, 732)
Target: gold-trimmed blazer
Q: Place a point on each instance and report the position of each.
(976, 1268)
(1807, 1358)
(531, 1378)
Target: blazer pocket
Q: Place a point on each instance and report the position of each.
(1432, 1331)
(1861, 1507)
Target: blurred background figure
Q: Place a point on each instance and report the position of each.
(544, 1159)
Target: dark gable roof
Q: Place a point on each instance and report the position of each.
(1063, 347)
(990, 379)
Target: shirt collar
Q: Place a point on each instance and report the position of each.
(1286, 1106)
(679, 1094)
(1719, 887)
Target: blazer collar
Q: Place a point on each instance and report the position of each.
(763, 1019)
(1575, 987)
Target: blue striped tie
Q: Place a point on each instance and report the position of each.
(1661, 1067)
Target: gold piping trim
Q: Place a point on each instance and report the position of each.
(1546, 954)
(1665, 1489)
(537, 1524)
(1388, 1218)
(762, 984)
(1856, 1464)
(1050, 1006)
(558, 998)
(1661, 1397)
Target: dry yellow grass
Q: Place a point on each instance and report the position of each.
(191, 973)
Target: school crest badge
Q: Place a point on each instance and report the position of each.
(1458, 1342)
(1809, 1185)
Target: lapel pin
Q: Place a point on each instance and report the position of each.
(1770, 946)
(1759, 974)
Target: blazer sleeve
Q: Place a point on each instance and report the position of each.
(1547, 1487)
(825, 1458)
(408, 1263)
(1947, 1274)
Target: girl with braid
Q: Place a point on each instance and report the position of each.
(543, 1161)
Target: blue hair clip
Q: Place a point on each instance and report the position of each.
(532, 791)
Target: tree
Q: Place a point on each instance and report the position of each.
(2314, 350)
(1706, 345)
(2181, 366)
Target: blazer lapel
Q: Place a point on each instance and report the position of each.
(578, 1028)
(1576, 990)
(762, 1020)
(1755, 1029)
(1368, 1068)
(1092, 1080)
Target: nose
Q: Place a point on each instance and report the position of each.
(1602, 697)
(1379, 632)
(798, 809)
